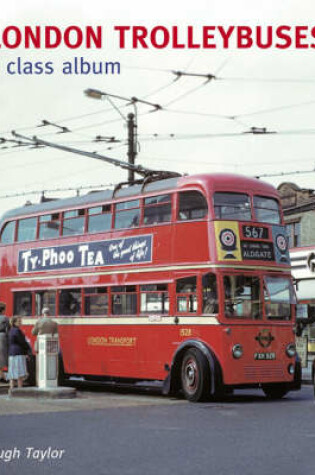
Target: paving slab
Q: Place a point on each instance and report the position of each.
(43, 393)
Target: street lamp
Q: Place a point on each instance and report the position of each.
(131, 125)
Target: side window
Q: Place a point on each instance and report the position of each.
(8, 232)
(234, 206)
(209, 294)
(73, 222)
(124, 300)
(242, 296)
(293, 231)
(127, 214)
(22, 304)
(99, 219)
(157, 209)
(186, 295)
(192, 205)
(96, 301)
(49, 226)
(70, 302)
(45, 298)
(27, 229)
(154, 298)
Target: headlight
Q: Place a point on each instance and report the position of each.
(291, 350)
(291, 369)
(237, 351)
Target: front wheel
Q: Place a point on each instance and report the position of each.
(195, 376)
(275, 391)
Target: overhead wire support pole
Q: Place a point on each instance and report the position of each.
(132, 145)
(131, 121)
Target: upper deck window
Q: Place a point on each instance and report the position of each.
(27, 229)
(266, 210)
(100, 219)
(127, 214)
(233, 206)
(192, 205)
(73, 222)
(157, 209)
(49, 226)
(7, 235)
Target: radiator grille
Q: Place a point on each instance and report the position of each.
(263, 373)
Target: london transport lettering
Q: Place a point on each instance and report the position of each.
(129, 250)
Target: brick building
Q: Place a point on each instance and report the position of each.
(299, 215)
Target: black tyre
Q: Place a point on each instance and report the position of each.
(61, 370)
(275, 391)
(195, 376)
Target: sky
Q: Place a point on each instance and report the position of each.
(202, 125)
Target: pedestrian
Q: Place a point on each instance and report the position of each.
(45, 325)
(4, 330)
(18, 351)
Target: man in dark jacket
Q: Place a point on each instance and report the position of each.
(4, 330)
(45, 325)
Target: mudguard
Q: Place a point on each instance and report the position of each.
(171, 383)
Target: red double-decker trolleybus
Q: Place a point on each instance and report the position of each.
(183, 281)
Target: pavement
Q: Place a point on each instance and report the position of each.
(34, 400)
(86, 399)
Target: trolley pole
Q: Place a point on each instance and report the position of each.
(132, 145)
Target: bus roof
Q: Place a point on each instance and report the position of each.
(212, 182)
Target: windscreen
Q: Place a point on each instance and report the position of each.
(279, 295)
(234, 206)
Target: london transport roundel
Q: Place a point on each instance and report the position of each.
(281, 243)
(228, 239)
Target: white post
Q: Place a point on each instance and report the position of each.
(47, 361)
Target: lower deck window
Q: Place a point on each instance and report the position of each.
(210, 302)
(154, 299)
(186, 295)
(70, 302)
(23, 304)
(124, 300)
(45, 298)
(95, 301)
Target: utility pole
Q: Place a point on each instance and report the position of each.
(132, 145)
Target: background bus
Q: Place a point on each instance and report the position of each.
(184, 281)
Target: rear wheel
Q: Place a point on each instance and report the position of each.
(195, 376)
(275, 391)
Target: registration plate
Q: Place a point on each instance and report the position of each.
(264, 356)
